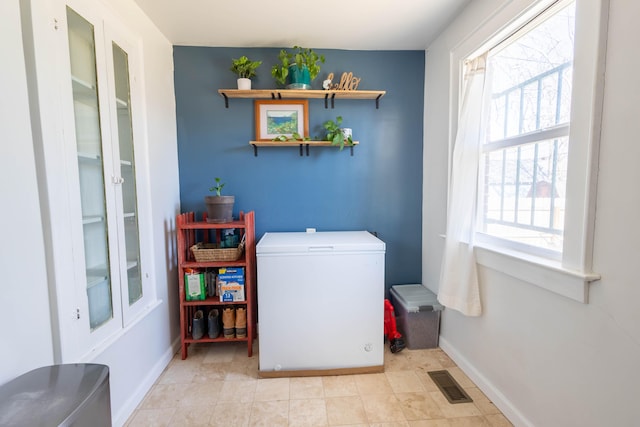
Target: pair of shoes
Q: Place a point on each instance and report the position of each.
(197, 326)
(234, 322)
(214, 323)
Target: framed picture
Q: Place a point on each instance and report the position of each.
(281, 117)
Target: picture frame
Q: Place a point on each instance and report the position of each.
(281, 117)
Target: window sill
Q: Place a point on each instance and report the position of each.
(546, 274)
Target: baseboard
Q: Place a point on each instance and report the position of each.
(141, 391)
(500, 400)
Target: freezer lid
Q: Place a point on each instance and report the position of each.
(320, 241)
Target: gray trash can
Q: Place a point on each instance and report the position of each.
(58, 395)
(418, 313)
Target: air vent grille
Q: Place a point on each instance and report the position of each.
(449, 387)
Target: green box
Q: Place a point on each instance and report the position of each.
(194, 288)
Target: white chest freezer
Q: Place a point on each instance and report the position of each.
(320, 303)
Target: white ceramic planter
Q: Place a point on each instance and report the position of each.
(244, 84)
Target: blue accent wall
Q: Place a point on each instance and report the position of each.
(378, 189)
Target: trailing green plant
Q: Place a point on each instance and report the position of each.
(294, 137)
(300, 56)
(335, 134)
(244, 67)
(218, 187)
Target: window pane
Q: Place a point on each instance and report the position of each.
(524, 193)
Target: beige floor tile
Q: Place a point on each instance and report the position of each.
(206, 372)
(442, 357)
(469, 422)
(220, 353)
(404, 381)
(202, 394)
(164, 396)
(238, 391)
(481, 401)
(270, 414)
(272, 389)
(306, 388)
(460, 377)
(307, 413)
(373, 384)
(443, 422)
(151, 417)
(381, 408)
(191, 416)
(419, 406)
(454, 410)
(426, 380)
(341, 385)
(393, 424)
(345, 410)
(178, 373)
(498, 420)
(231, 414)
(242, 370)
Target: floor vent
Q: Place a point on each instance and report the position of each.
(449, 387)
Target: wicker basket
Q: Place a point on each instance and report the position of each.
(206, 252)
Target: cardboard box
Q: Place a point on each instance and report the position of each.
(231, 284)
(194, 288)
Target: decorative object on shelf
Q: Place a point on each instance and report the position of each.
(336, 134)
(347, 82)
(299, 67)
(219, 207)
(275, 118)
(245, 69)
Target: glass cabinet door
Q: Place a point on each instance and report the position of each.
(90, 168)
(127, 174)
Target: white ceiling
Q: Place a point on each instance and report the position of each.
(327, 24)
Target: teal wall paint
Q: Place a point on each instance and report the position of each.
(378, 189)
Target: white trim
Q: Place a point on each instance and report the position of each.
(541, 272)
(507, 408)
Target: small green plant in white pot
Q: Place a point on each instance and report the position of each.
(245, 69)
(337, 135)
(219, 207)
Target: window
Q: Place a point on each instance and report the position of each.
(524, 158)
(538, 161)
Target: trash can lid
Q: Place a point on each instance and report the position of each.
(48, 395)
(416, 298)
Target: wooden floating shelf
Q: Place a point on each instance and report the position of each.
(304, 145)
(301, 94)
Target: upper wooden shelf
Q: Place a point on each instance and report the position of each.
(301, 94)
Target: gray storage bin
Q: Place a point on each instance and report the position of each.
(418, 315)
(59, 395)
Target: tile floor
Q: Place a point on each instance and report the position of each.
(218, 385)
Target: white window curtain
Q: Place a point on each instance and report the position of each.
(459, 287)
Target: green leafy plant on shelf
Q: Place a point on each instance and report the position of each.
(218, 187)
(299, 56)
(294, 137)
(335, 133)
(244, 67)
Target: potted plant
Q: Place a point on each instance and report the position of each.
(336, 134)
(245, 69)
(298, 67)
(219, 207)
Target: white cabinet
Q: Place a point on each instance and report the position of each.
(93, 152)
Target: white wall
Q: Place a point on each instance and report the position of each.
(25, 328)
(137, 357)
(544, 359)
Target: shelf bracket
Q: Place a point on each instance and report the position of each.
(226, 100)
(326, 105)
(301, 149)
(255, 151)
(351, 150)
(333, 97)
(307, 150)
(378, 102)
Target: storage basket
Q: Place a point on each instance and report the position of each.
(206, 252)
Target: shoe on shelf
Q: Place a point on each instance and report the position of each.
(197, 326)
(214, 323)
(241, 322)
(229, 322)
